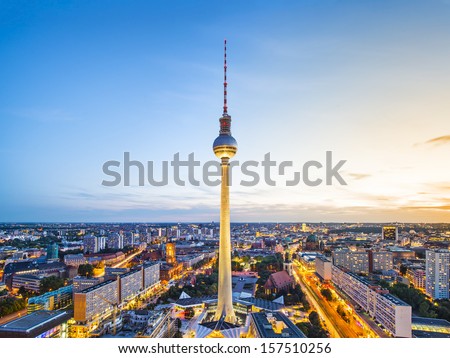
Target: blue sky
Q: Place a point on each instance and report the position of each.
(81, 82)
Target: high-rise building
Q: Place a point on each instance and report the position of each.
(90, 243)
(225, 147)
(437, 273)
(323, 268)
(389, 233)
(52, 251)
(116, 241)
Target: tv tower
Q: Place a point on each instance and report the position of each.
(225, 147)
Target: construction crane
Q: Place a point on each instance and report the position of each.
(115, 306)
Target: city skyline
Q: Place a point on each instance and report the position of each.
(83, 84)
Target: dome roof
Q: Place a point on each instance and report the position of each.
(312, 238)
(225, 140)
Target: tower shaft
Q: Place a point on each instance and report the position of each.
(225, 297)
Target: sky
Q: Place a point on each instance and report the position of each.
(82, 82)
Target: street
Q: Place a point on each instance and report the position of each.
(13, 316)
(336, 324)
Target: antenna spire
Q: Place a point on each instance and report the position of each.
(225, 84)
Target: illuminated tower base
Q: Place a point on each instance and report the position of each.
(225, 297)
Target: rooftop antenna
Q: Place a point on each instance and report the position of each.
(225, 84)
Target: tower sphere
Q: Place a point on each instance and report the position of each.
(225, 146)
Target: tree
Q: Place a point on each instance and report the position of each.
(306, 305)
(50, 283)
(313, 328)
(314, 318)
(304, 327)
(10, 305)
(326, 292)
(86, 270)
(177, 335)
(24, 292)
(403, 269)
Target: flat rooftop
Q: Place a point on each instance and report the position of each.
(435, 322)
(33, 324)
(266, 329)
(93, 288)
(194, 301)
(394, 300)
(263, 304)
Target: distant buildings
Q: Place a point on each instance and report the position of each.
(93, 244)
(171, 253)
(312, 243)
(189, 261)
(437, 273)
(74, 260)
(116, 241)
(107, 259)
(389, 233)
(391, 312)
(171, 268)
(52, 251)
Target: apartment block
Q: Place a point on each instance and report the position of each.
(391, 312)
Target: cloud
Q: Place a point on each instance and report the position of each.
(430, 207)
(359, 176)
(439, 186)
(445, 139)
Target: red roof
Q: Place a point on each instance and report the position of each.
(279, 280)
